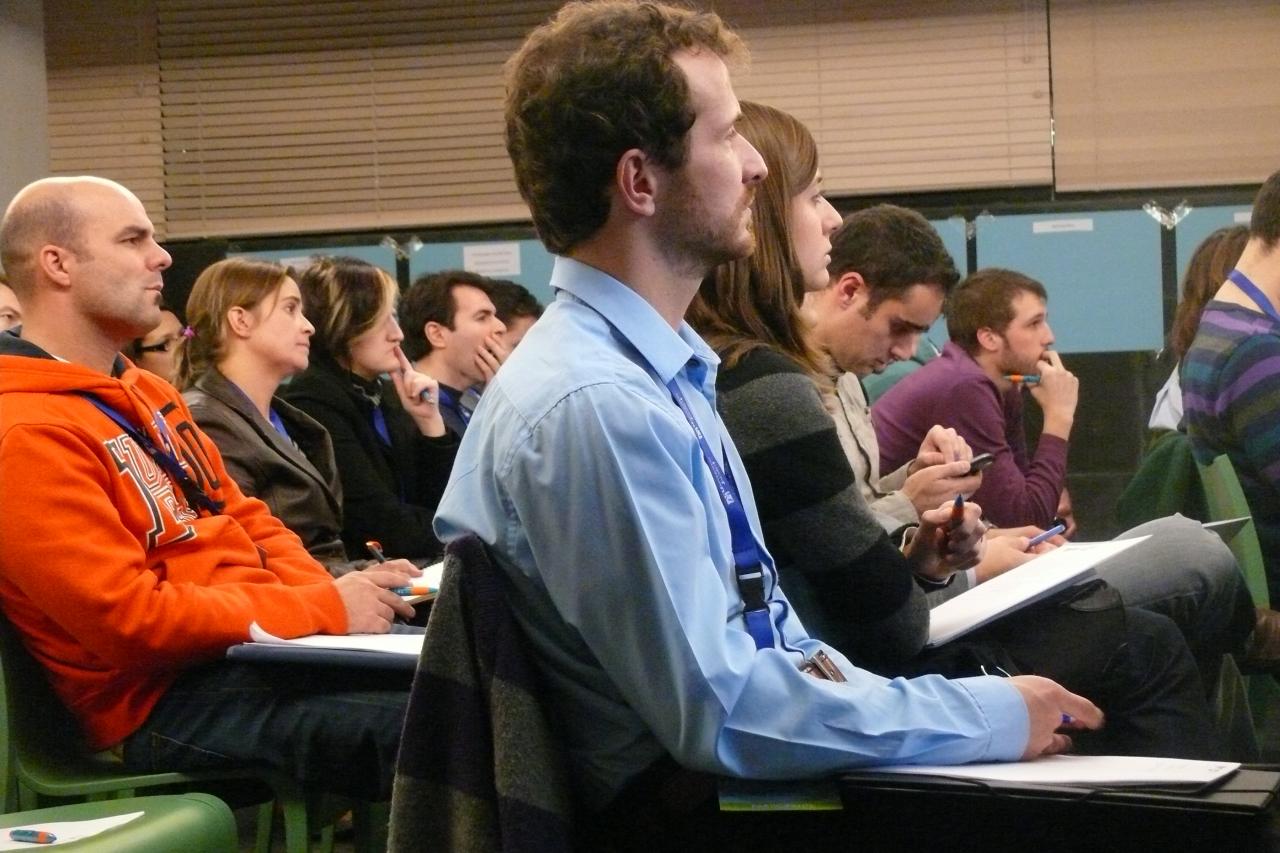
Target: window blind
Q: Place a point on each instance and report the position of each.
(293, 116)
(1165, 92)
(104, 96)
(909, 95)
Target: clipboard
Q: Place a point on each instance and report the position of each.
(1233, 814)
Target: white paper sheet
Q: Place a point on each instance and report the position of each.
(66, 831)
(400, 644)
(430, 578)
(1019, 587)
(1099, 770)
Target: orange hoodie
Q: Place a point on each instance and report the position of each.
(115, 583)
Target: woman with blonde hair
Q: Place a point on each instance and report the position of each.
(393, 452)
(249, 333)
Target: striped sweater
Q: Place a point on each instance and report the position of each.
(1231, 395)
(850, 586)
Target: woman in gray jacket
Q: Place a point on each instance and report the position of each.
(250, 334)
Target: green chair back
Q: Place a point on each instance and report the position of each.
(1225, 499)
(1166, 482)
(192, 823)
(44, 758)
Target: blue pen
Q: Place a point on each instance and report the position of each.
(1048, 534)
(32, 836)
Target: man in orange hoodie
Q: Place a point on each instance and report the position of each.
(129, 559)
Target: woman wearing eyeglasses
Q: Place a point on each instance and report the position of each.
(156, 351)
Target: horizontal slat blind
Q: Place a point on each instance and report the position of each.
(908, 95)
(293, 115)
(287, 116)
(104, 95)
(1165, 92)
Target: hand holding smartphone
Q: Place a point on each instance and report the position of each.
(979, 462)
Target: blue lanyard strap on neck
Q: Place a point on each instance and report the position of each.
(454, 404)
(168, 462)
(278, 423)
(748, 560)
(380, 426)
(1255, 293)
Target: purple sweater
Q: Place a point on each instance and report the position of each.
(952, 390)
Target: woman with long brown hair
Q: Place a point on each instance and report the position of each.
(1212, 260)
(850, 584)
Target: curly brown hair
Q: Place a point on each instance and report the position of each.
(593, 82)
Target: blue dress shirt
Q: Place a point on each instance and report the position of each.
(586, 481)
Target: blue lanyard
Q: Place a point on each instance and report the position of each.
(1242, 281)
(166, 459)
(272, 415)
(278, 423)
(454, 405)
(380, 425)
(748, 561)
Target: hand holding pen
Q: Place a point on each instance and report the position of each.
(407, 587)
(949, 539)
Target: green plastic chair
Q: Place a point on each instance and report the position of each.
(1167, 481)
(45, 760)
(192, 823)
(1225, 499)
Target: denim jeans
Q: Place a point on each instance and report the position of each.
(1188, 574)
(334, 729)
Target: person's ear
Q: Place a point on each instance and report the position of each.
(989, 339)
(635, 182)
(240, 321)
(435, 334)
(56, 263)
(855, 292)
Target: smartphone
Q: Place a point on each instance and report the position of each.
(982, 460)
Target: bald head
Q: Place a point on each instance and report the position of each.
(50, 211)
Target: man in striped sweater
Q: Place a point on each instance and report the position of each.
(1231, 375)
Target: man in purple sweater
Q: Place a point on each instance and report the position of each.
(999, 327)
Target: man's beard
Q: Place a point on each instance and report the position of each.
(695, 244)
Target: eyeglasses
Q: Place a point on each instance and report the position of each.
(163, 346)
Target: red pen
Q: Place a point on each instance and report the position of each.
(957, 516)
(957, 513)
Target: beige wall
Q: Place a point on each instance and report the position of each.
(24, 136)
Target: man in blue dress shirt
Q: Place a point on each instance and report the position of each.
(587, 480)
